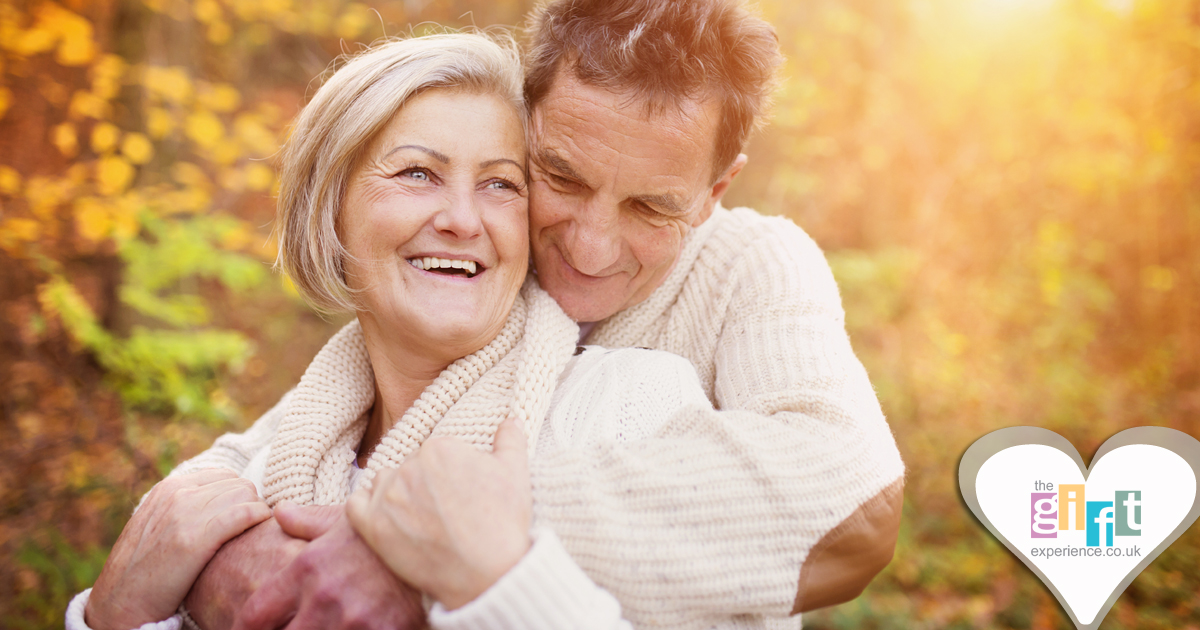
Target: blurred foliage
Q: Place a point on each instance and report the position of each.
(1008, 192)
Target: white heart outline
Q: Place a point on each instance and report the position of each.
(985, 447)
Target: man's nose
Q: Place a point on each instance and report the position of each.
(461, 217)
(594, 243)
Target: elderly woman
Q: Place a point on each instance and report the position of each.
(403, 200)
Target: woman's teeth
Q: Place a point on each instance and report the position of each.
(431, 263)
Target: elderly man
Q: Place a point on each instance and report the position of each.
(788, 494)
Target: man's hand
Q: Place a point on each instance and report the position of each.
(335, 582)
(238, 570)
(451, 520)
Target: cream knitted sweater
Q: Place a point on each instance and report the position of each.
(717, 510)
(712, 513)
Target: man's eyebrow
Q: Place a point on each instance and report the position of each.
(667, 202)
(551, 159)
(441, 157)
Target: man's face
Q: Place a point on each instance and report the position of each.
(613, 191)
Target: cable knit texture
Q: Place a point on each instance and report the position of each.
(699, 519)
(321, 422)
(717, 510)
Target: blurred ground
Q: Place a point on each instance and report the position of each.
(1008, 191)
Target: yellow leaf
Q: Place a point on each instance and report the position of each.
(63, 136)
(221, 97)
(159, 122)
(125, 216)
(105, 137)
(189, 174)
(355, 19)
(236, 238)
(10, 181)
(33, 41)
(206, 11)
(78, 173)
(204, 128)
(113, 175)
(92, 219)
(259, 176)
(20, 229)
(5, 100)
(45, 194)
(169, 84)
(105, 88)
(77, 50)
(254, 135)
(231, 180)
(109, 67)
(226, 152)
(137, 148)
(275, 7)
(219, 33)
(1158, 278)
(186, 200)
(74, 33)
(289, 286)
(88, 105)
(14, 232)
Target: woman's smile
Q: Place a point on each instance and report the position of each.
(448, 265)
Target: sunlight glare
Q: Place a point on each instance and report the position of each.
(996, 7)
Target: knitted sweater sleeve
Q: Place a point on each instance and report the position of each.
(714, 514)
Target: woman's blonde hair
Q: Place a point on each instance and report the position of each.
(355, 103)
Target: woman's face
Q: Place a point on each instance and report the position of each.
(435, 221)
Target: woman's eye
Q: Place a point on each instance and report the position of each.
(419, 174)
(501, 184)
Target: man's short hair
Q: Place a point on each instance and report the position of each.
(330, 135)
(664, 52)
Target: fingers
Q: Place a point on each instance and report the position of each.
(510, 442)
(307, 521)
(236, 519)
(357, 510)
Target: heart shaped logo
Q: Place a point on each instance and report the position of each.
(1086, 532)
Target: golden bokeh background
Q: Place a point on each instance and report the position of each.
(1008, 192)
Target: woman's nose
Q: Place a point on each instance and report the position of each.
(461, 217)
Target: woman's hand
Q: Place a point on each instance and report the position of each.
(163, 548)
(451, 520)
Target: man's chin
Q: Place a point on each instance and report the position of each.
(580, 305)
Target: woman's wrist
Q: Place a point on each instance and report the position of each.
(474, 583)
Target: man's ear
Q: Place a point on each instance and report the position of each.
(719, 189)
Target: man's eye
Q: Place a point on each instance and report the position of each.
(501, 184)
(563, 183)
(650, 211)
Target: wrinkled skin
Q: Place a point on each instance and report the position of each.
(423, 519)
(181, 524)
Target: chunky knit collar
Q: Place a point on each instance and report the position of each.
(313, 452)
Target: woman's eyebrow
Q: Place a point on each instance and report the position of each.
(441, 157)
(501, 161)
